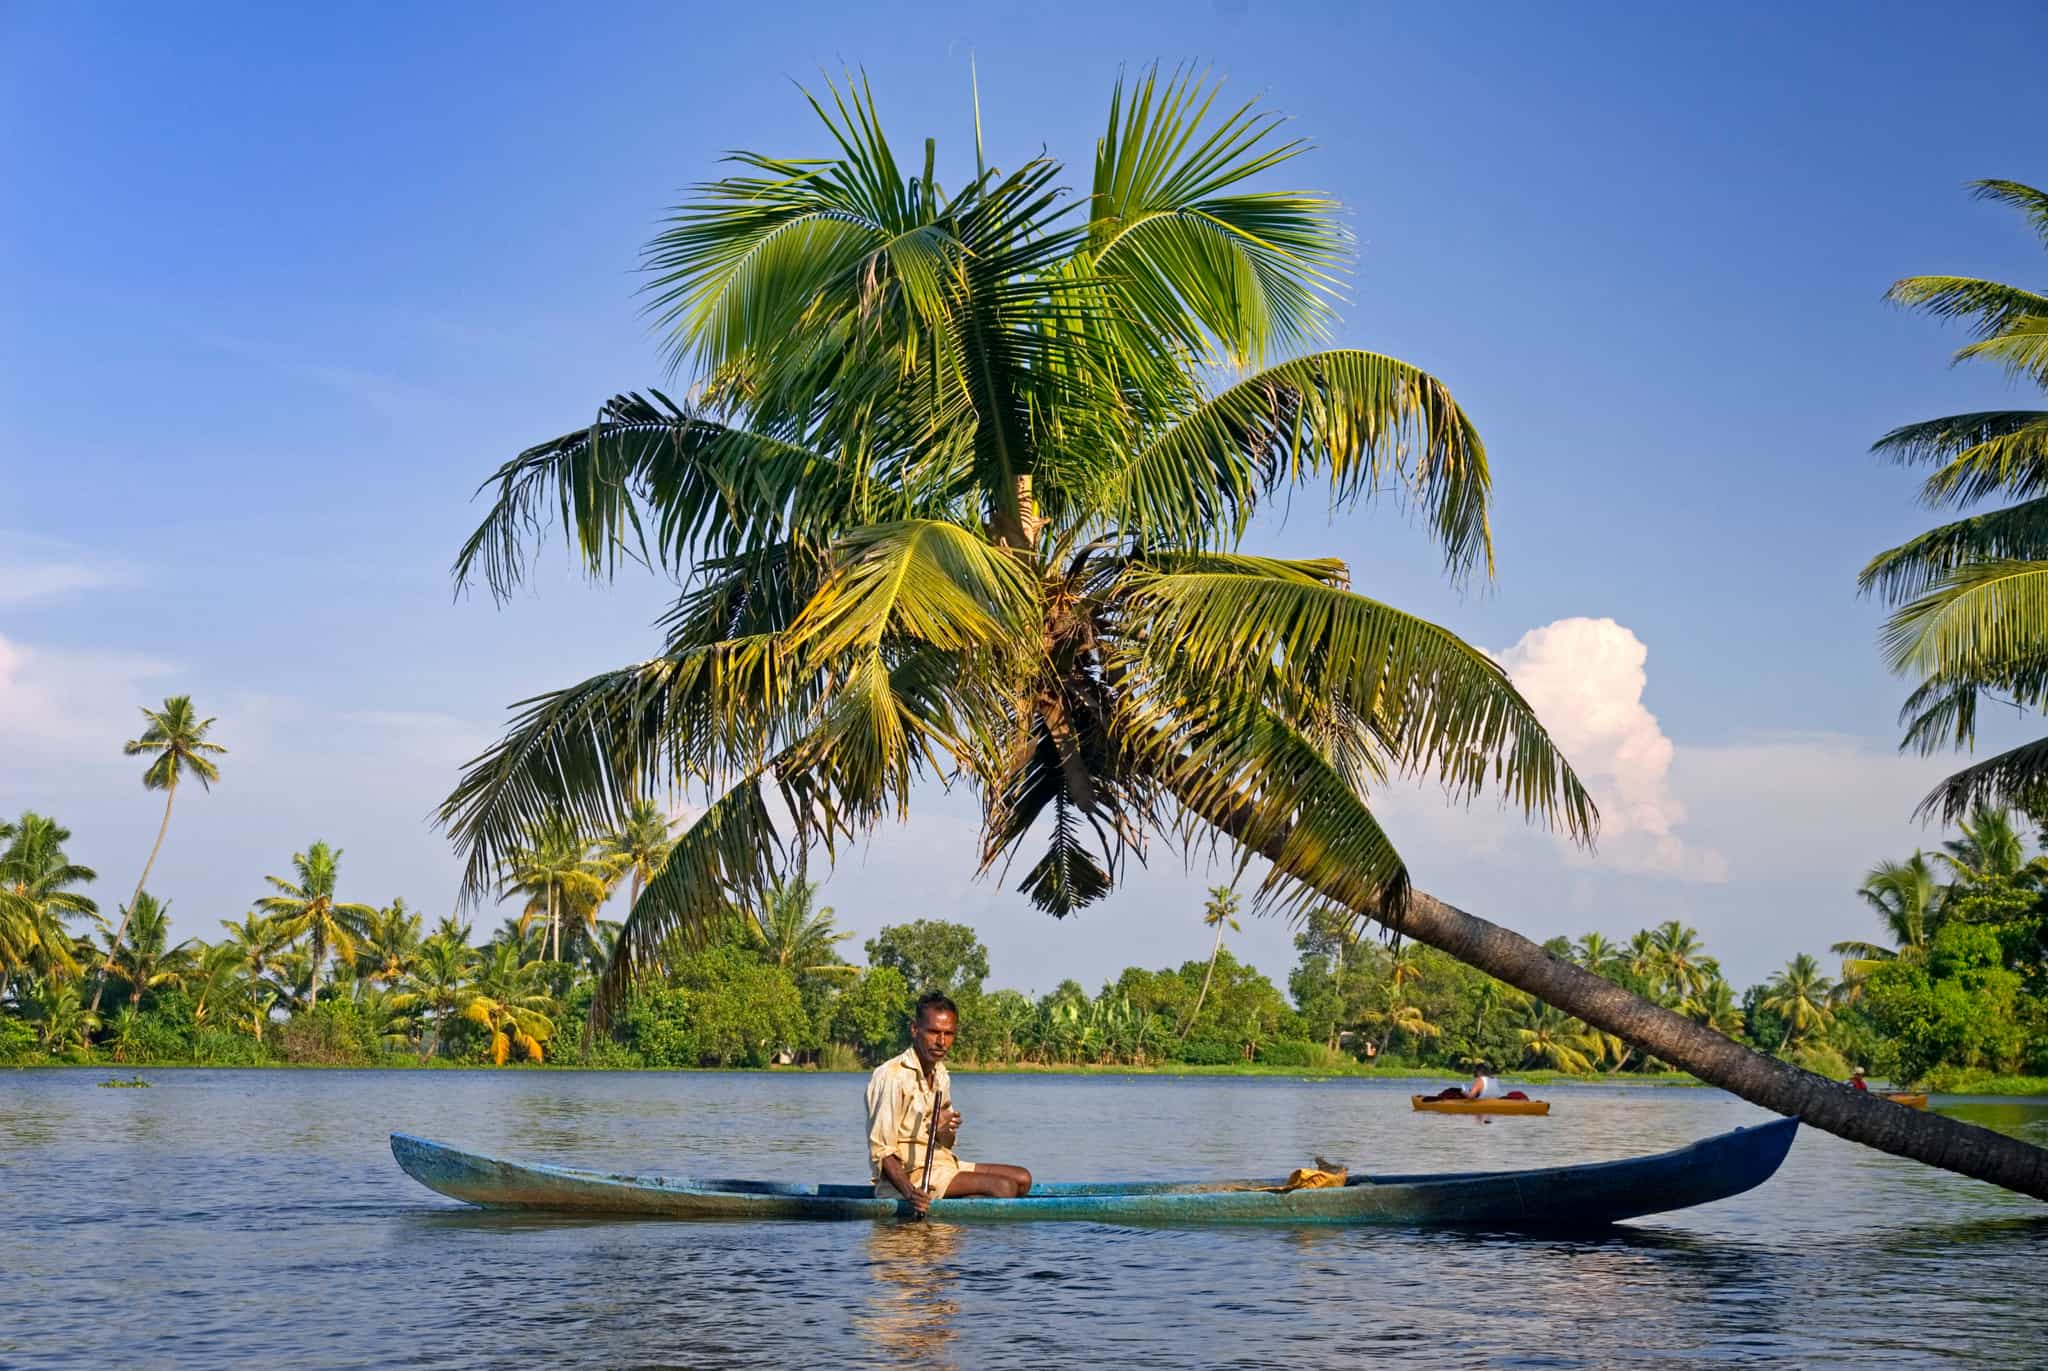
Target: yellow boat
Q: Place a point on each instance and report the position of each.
(1480, 1106)
(1912, 1099)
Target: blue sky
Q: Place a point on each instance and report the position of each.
(283, 285)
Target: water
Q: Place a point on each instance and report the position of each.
(230, 1218)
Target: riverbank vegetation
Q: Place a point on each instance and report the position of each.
(1953, 996)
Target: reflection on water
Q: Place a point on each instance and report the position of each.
(256, 1218)
(909, 1312)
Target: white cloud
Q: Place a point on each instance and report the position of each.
(74, 704)
(1585, 680)
(34, 567)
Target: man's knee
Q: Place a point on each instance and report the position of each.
(1023, 1182)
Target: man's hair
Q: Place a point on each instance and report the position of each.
(930, 1000)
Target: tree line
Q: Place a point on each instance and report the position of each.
(306, 976)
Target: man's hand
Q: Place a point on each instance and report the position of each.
(949, 1126)
(920, 1201)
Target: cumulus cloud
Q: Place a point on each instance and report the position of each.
(1585, 680)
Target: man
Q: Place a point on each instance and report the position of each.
(903, 1093)
(1856, 1081)
(1483, 1087)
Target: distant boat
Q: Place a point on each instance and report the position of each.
(1912, 1099)
(1548, 1198)
(1480, 1106)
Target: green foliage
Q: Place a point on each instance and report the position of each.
(932, 954)
(17, 1041)
(873, 1014)
(743, 1010)
(1961, 1009)
(657, 1026)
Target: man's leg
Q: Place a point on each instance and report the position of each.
(991, 1180)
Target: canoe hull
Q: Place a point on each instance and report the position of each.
(1551, 1198)
(1912, 1099)
(1429, 1106)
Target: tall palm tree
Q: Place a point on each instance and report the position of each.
(175, 742)
(1681, 962)
(555, 870)
(1799, 995)
(307, 908)
(797, 936)
(1218, 912)
(147, 960)
(445, 963)
(37, 895)
(256, 942)
(640, 844)
(1968, 596)
(959, 493)
(1990, 848)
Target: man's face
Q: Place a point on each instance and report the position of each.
(932, 1035)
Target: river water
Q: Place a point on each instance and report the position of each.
(255, 1218)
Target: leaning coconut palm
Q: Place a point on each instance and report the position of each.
(1219, 912)
(175, 742)
(959, 493)
(307, 908)
(1970, 597)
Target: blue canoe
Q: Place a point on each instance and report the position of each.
(1555, 1197)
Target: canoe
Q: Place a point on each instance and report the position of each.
(1551, 1198)
(1912, 1099)
(1480, 1106)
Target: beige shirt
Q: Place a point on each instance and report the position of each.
(900, 1106)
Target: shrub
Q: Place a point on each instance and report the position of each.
(1208, 1052)
(1288, 1052)
(17, 1041)
(839, 1057)
(657, 1027)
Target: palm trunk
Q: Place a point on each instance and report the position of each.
(170, 794)
(1869, 1119)
(313, 988)
(554, 927)
(1203, 993)
(1718, 1060)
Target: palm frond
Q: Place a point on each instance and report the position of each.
(718, 491)
(1194, 262)
(1992, 452)
(2024, 198)
(1975, 622)
(919, 580)
(1990, 307)
(1440, 706)
(2016, 533)
(2013, 777)
(1364, 421)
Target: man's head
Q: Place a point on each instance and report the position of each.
(932, 1026)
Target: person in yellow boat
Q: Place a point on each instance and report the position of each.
(903, 1094)
(1483, 1087)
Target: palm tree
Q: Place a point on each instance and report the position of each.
(445, 963)
(1596, 953)
(796, 937)
(36, 896)
(1219, 913)
(506, 1003)
(216, 975)
(256, 942)
(1799, 995)
(57, 1009)
(147, 960)
(307, 908)
(175, 742)
(959, 492)
(1991, 848)
(1400, 1017)
(639, 844)
(391, 944)
(1967, 596)
(1680, 962)
(556, 872)
(1716, 1007)
(1554, 1039)
(1908, 899)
